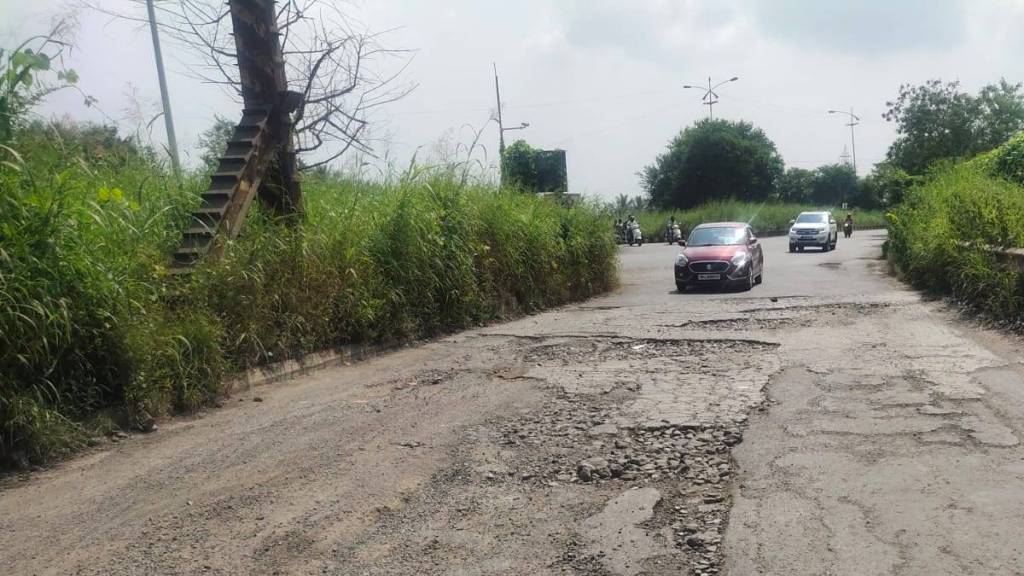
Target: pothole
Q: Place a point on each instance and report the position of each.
(834, 308)
(738, 324)
(576, 443)
(589, 350)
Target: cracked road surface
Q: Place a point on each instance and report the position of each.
(828, 422)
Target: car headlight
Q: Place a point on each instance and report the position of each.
(681, 260)
(739, 260)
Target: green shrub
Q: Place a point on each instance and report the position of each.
(1008, 160)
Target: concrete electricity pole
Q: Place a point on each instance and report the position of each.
(854, 120)
(172, 141)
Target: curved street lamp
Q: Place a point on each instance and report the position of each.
(854, 120)
(710, 97)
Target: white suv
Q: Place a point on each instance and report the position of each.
(813, 229)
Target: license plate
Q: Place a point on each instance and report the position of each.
(807, 237)
(709, 276)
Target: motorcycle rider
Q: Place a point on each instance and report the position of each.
(848, 225)
(628, 227)
(671, 229)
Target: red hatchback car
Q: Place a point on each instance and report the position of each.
(720, 254)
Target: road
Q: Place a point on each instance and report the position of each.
(830, 421)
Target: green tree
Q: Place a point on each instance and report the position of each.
(885, 186)
(795, 185)
(713, 160)
(938, 121)
(622, 203)
(833, 184)
(214, 140)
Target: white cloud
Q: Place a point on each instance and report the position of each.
(604, 78)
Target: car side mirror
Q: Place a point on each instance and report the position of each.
(752, 241)
(682, 242)
(791, 222)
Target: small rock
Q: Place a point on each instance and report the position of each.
(584, 474)
(257, 399)
(590, 468)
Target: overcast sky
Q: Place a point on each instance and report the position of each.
(600, 78)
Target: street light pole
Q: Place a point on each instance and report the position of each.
(710, 96)
(854, 120)
(172, 142)
(711, 104)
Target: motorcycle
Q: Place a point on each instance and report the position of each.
(674, 234)
(847, 229)
(634, 235)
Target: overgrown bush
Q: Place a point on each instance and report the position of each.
(91, 322)
(1007, 160)
(941, 238)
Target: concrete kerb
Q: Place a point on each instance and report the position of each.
(314, 361)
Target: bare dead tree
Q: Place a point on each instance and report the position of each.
(342, 71)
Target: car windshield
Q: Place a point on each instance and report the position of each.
(717, 236)
(811, 219)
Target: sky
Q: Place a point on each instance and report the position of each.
(601, 79)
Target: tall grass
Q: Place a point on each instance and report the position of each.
(766, 218)
(942, 235)
(91, 323)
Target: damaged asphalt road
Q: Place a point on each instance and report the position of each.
(827, 422)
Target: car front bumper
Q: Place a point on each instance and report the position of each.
(732, 275)
(809, 239)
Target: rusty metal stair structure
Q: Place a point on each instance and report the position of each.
(259, 159)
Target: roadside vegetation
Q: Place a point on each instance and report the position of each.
(946, 236)
(94, 333)
(962, 159)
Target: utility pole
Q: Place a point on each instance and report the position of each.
(854, 120)
(501, 127)
(710, 97)
(172, 141)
